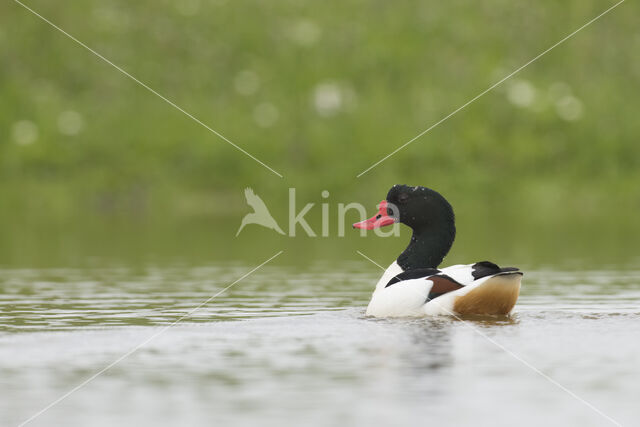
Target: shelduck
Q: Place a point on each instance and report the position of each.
(413, 285)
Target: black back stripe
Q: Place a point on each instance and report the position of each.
(416, 273)
(485, 268)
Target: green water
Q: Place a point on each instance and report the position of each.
(290, 345)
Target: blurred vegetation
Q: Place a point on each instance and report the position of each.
(543, 169)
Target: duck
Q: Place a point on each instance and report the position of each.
(414, 285)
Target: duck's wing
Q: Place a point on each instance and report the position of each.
(466, 274)
(485, 268)
(417, 273)
(493, 294)
(441, 283)
(406, 293)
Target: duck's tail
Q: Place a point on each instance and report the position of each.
(495, 296)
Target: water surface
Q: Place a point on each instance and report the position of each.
(290, 346)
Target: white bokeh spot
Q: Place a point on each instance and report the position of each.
(70, 123)
(569, 108)
(246, 82)
(266, 114)
(330, 98)
(305, 32)
(521, 93)
(24, 132)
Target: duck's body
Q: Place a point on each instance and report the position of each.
(449, 291)
(414, 286)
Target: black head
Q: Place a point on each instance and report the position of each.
(419, 207)
(430, 217)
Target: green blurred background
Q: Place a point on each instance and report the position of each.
(543, 170)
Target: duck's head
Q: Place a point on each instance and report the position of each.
(427, 213)
(417, 207)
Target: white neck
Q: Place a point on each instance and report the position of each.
(393, 270)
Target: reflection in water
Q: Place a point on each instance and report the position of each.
(432, 339)
(285, 346)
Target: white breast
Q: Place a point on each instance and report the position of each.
(404, 298)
